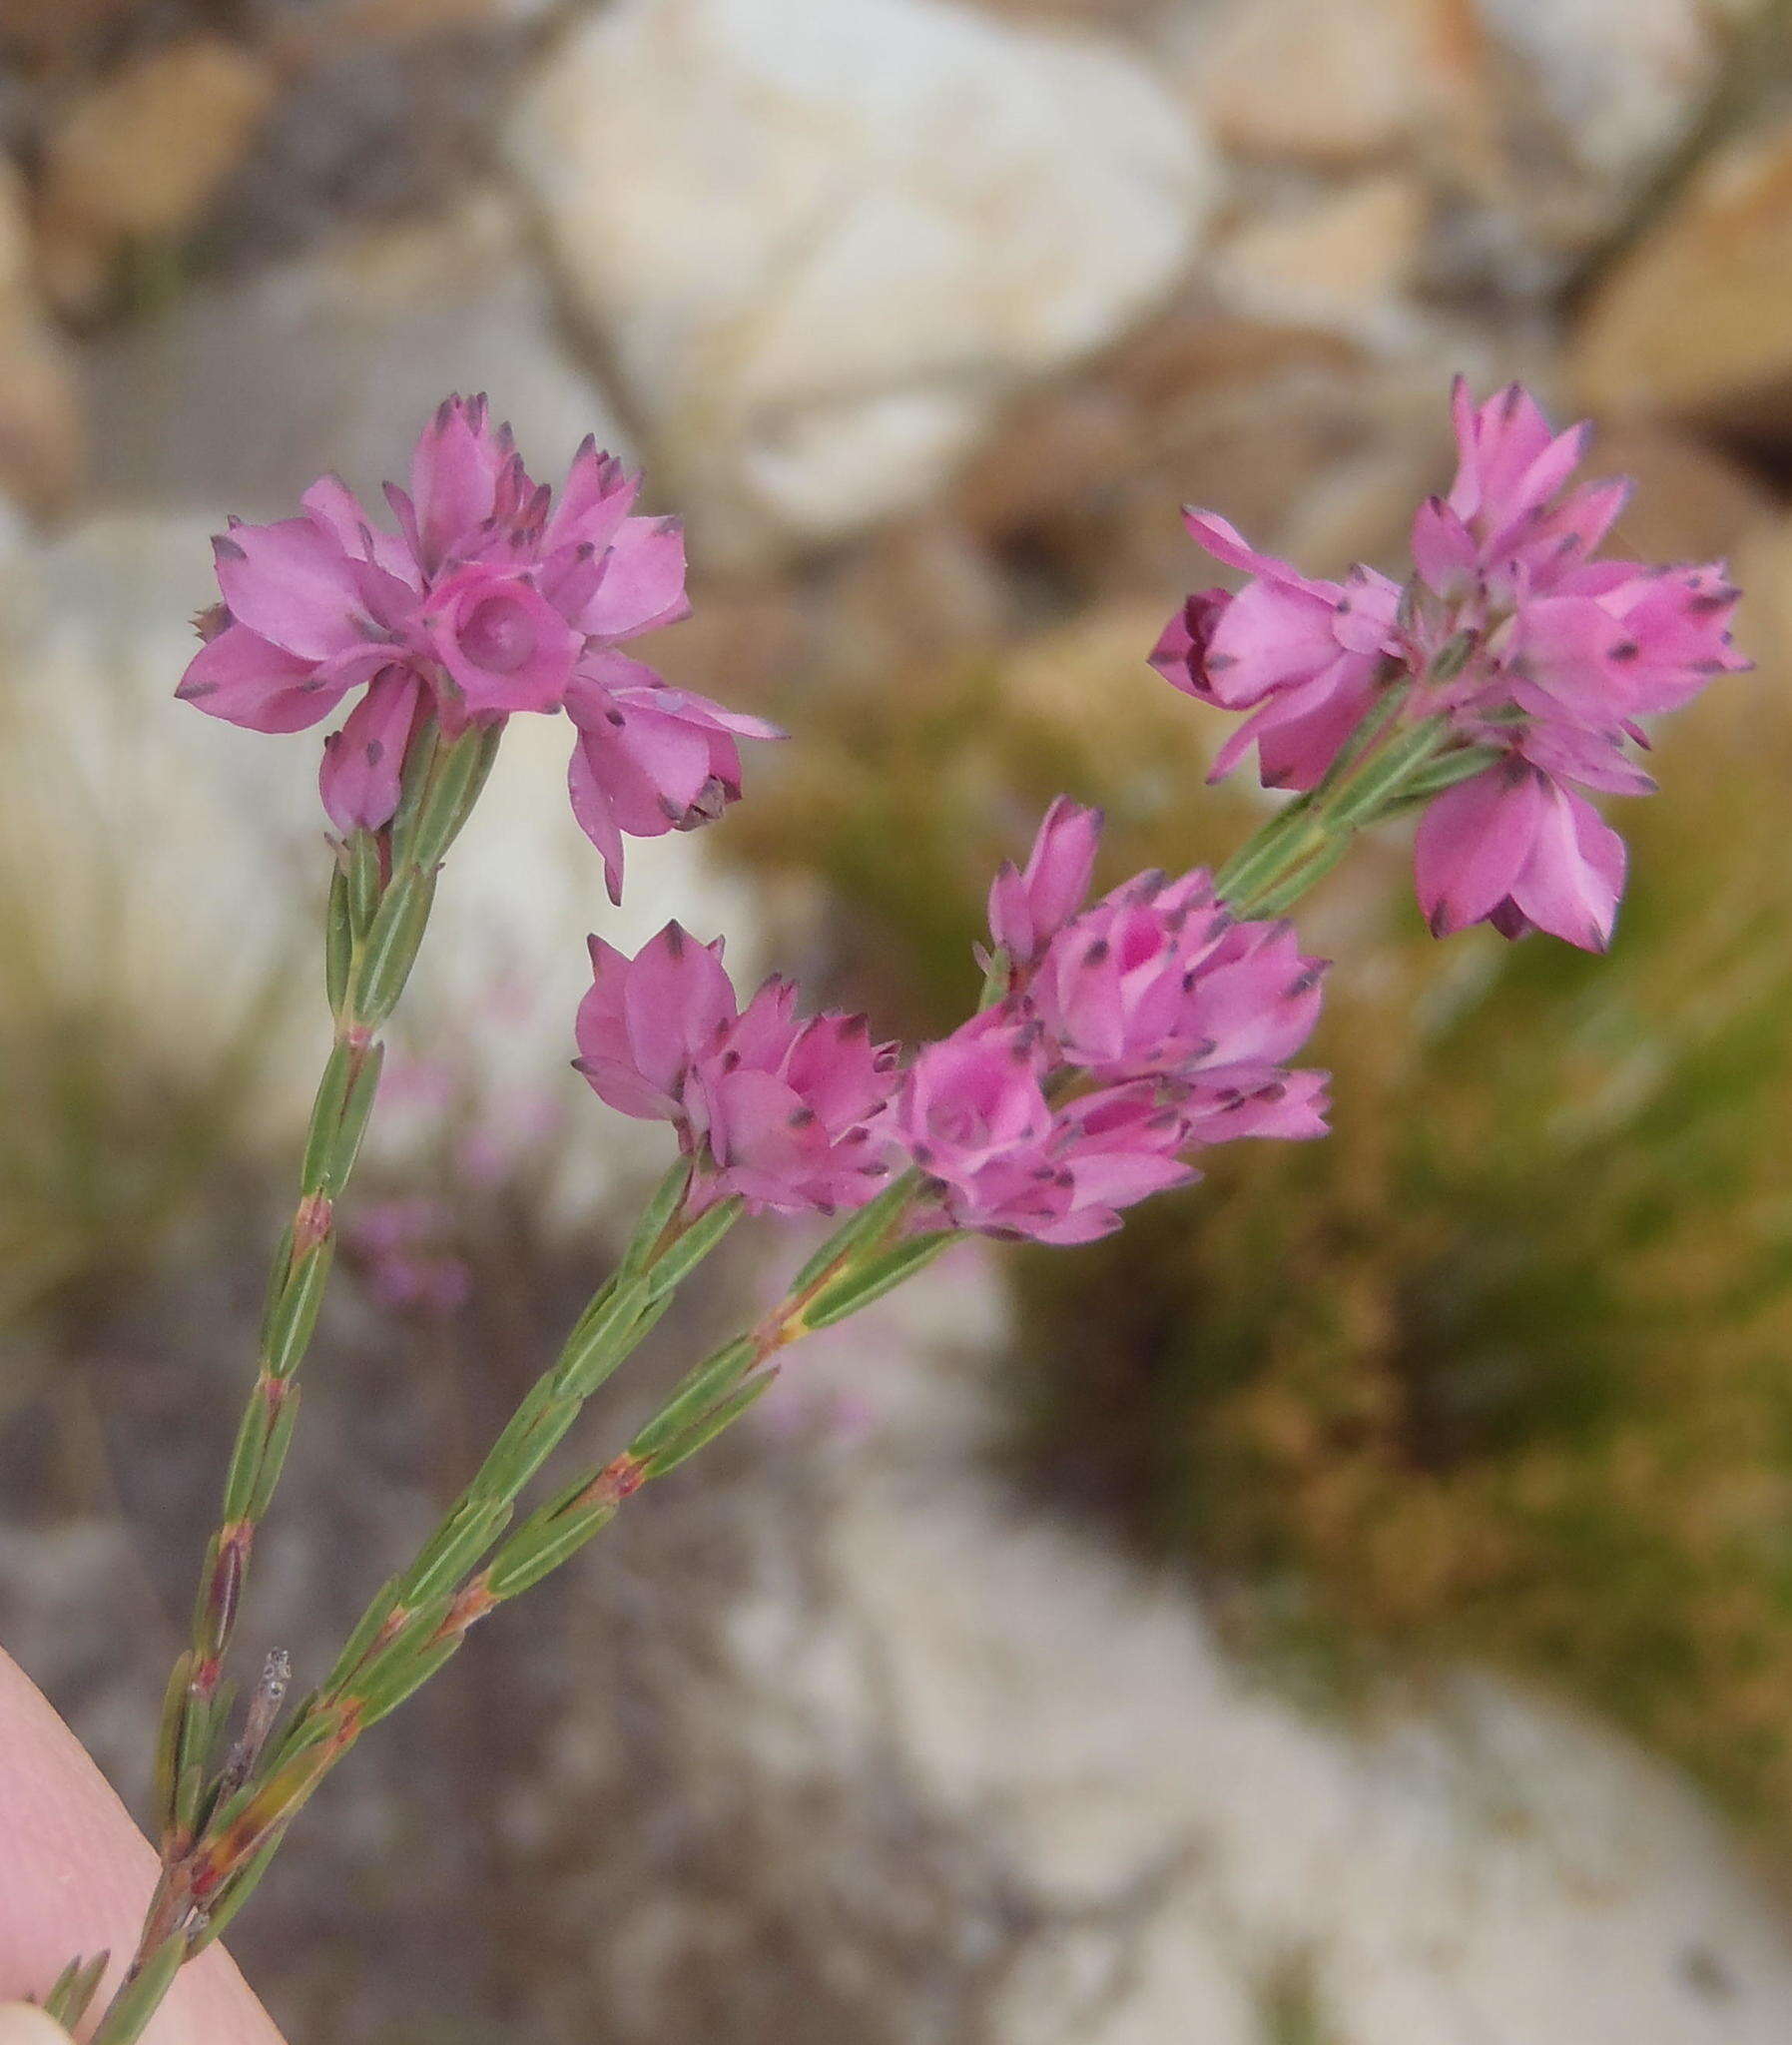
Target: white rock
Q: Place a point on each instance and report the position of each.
(1621, 77)
(820, 239)
(1487, 1867)
(247, 389)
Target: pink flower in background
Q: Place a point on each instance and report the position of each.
(1148, 1027)
(774, 1106)
(492, 600)
(409, 1270)
(1510, 629)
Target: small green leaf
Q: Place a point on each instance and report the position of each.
(134, 2005)
(668, 1197)
(1447, 772)
(868, 1223)
(712, 1425)
(364, 880)
(711, 1379)
(326, 1116)
(392, 944)
(683, 1258)
(455, 1546)
(872, 1280)
(419, 762)
(338, 942)
(274, 1455)
(454, 787)
(168, 1737)
(543, 1546)
(72, 1996)
(599, 1346)
(389, 1690)
(366, 1629)
(346, 1148)
(296, 1314)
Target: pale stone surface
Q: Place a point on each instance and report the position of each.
(820, 238)
(245, 391)
(1618, 77)
(1319, 81)
(41, 439)
(1344, 260)
(1484, 1865)
(142, 154)
(1697, 320)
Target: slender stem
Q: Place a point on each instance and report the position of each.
(1303, 841)
(379, 907)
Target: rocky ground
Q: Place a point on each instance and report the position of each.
(928, 314)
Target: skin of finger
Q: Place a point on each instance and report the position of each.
(20, 2024)
(76, 1877)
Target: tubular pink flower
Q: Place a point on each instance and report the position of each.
(1149, 1025)
(774, 1106)
(1159, 980)
(647, 758)
(1303, 655)
(362, 762)
(1512, 631)
(1029, 906)
(1515, 848)
(492, 600)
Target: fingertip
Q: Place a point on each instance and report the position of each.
(21, 2023)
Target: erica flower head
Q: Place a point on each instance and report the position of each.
(773, 1106)
(1143, 1028)
(1511, 634)
(492, 598)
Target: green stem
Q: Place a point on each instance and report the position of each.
(1304, 841)
(380, 904)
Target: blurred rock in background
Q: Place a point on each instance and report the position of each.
(1240, 1628)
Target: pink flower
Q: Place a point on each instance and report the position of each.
(1513, 847)
(1512, 631)
(1158, 978)
(774, 1106)
(1027, 908)
(1148, 1026)
(492, 600)
(1301, 655)
(973, 1117)
(976, 1099)
(648, 759)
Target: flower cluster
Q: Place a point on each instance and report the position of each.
(492, 598)
(1132, 1034)
(772, 1106)
(1512, 631)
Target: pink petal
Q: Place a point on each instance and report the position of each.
(643, 582)
(1473, 843)
(593, 814)
(363, 761)
(246, 680)
(1574, 876)
(291, 583)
